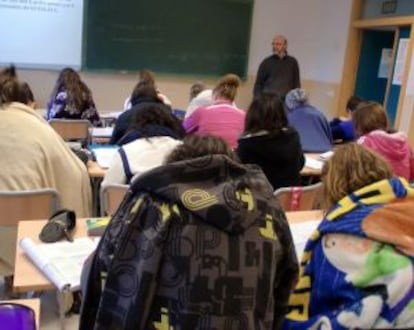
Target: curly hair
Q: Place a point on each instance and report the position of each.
(153, 115)
(195, 146)
(351, 167)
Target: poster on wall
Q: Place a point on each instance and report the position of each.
(385, 62)
(400, 61)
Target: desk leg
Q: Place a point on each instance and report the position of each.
(96, 186)
(61, 302)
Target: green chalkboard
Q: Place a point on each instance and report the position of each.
(189, 37)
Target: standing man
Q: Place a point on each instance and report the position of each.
(278, 73)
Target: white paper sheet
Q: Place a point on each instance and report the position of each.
(61, 262)
(105, 132)
(301, 233)
(313, 163)
(104, 155)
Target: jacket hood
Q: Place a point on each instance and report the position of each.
(225, 194)
(392, 145)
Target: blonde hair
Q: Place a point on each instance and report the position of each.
(227, 86)
(351, 167)
(368, 117)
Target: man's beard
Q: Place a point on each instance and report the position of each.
(281, 54)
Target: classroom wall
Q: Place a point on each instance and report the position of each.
(317, 34)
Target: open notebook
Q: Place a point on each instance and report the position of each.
(301, 233)
(60, 262)
(104, 154)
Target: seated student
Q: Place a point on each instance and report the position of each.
(357, 270)
(311, 124)
(372, 127)
(72, 99)
(153, 133)
(144, 95)
(269, 142)
(197, 244)
(34, 156)
(147, 77)
(221, 119)
(342, 128)
(200, 96)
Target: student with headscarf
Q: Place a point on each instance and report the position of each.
(311, 124)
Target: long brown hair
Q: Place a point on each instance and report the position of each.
(350, 168)
(77, 91)
(266, 112)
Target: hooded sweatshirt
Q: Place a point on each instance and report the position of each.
(394, 148)
(198, 244)
(357, 270)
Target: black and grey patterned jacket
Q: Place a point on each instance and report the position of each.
(198, 244)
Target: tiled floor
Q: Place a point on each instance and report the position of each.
(49, 314)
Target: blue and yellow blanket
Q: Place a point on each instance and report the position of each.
(357, 269)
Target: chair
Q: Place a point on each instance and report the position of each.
(36, 204)
(27, 205)
(111, 196)
(72, 129)
(299, 198)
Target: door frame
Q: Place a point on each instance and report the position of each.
(353, 50)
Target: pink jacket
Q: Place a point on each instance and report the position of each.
(394, 148)
(220, 119)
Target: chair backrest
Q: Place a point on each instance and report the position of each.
(72, 129)
(299, 198)
(111, 196)
(27, 205)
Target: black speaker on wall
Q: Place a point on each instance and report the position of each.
(389, 7)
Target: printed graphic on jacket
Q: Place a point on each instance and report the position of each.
(199, 244)
(357, 268)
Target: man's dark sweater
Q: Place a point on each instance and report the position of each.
(277, 75)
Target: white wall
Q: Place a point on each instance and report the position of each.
(317, 31)
(317, 34)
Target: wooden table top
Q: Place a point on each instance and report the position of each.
(28, 278)
(95, 171)
(307, 171)
(32, 303)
